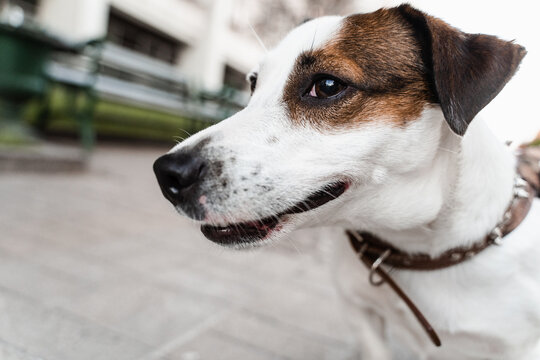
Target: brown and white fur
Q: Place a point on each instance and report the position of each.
(416, 175)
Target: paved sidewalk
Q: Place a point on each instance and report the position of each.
(97, 265)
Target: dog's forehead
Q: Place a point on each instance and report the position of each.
(279, 62)
(309, 35)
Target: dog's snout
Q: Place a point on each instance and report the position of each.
(178, 173)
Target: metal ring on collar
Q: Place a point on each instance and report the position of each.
(375, 266)
(362, 250)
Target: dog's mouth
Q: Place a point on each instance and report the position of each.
(253, 231)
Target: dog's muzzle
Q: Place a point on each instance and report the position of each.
(180, 175)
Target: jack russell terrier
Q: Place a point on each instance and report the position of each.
(365, 123)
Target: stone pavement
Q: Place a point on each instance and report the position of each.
(97, 265)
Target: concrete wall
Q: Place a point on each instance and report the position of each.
(206, 60)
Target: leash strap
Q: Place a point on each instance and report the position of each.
(386, 278)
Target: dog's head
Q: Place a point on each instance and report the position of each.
(341, 109)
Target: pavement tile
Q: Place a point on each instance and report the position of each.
(305, 309)
(213, 345)
(97, 263)
(43, 284)
(281, 339)
(144, 311)
(53, 334)
(10, 352)
(55, 258)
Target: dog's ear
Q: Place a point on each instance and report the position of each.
(466, 70)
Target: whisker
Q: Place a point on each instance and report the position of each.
(293, 245)
(185, 131)
(257, 37)
(179, 139)
(313, 40)
(448, 150)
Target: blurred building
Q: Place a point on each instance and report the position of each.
(186, 37)
(157, 53)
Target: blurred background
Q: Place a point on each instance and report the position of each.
(94, 263)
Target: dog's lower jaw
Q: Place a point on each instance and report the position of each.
(253, 232)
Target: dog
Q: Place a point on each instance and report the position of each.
(365, 122)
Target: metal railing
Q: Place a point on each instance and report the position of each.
(128, 77)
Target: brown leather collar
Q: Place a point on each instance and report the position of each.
(374, 252)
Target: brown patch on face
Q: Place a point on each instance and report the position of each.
(379, 59)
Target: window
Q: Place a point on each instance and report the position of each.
(235, 79)
(135, 36)
(28, 7)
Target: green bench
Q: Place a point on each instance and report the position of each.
(26, 52)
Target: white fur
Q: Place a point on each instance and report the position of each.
(420, 187)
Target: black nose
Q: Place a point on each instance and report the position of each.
(179, 173)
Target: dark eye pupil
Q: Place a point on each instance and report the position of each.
(253, 84)
(327, 87)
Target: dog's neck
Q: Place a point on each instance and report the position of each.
(459, 197)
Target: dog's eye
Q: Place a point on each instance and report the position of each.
(252, 78)
(326, 87)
